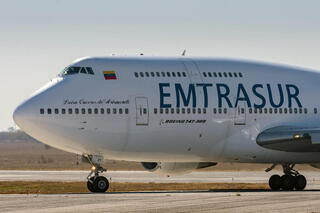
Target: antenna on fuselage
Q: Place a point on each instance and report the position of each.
(184, 52)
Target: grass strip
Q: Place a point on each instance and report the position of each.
(48, 187)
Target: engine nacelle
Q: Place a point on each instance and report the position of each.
(175, 168)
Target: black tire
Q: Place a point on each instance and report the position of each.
(90, 185)
(275, 182)
(101, 184)
(300, 182)
(287, 182)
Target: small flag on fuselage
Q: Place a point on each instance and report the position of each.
(109, 75)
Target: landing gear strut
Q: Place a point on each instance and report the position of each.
(96, 183)
(289, 181)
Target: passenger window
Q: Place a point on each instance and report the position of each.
(199, 110)
(280, 110)
(270, 110)
(89, 111)
(155, 110)
(90, 71)
(295, 110)
(41, 111)
(209, 74)
(108, 110)
(96, 111)
(136, 75)
(147, 74)
(204, 74)
(152, 74)
(120, 111)
(83, 70)
(240, 74)
(172, 110)
(161, 110)
(56, 111)
(173, 74)
(215, 75)
(225, 75)
(204, 111)
(194, 111)
(250, 110)
(178, 110)
(167, 110)
(141, 74)
(168, 74)
(220, 75)
(260, 110)
(230, 74)
(163, 74)
(76, 111)
(158, 74)
(70, 111)
(144, 110)
(184, 74)
(300, 110)
(305, 110)
(83, 111)
(275, 110)
(285, 110)
(114, 111)
(290, 110)
(188, 110)
(127, 111)
(178, 74)
(315, 110)
(63, 111)
(255, 110)
(235, 75)
(214, 111)
(242, 110)
(220, 110)
(183, 110)
(49, 111)
(265, 110)
(225, 110)
(102, 111)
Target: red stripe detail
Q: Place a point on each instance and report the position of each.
(110, 77)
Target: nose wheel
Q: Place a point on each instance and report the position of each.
(96, 182)
(291, 179)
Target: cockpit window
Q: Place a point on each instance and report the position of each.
(76, 70)
(83, 70)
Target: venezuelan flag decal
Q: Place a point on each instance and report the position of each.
(109, 75)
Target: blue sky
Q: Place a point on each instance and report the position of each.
(39, 38)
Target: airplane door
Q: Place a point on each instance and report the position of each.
(142, 111)
(240, 114)
(193, 71)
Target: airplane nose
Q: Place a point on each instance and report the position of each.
(19, 115)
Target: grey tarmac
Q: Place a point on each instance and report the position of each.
(178, 201)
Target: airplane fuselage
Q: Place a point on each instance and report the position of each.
(151, 109)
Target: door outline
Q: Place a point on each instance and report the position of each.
(142, 111)
(240, 114)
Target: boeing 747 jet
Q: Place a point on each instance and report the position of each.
(179, 114)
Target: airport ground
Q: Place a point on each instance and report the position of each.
(30, 170)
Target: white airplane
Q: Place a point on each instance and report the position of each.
(176, 115)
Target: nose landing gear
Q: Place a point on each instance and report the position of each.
(291, 179)
(96, 183)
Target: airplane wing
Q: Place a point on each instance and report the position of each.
(290, 139)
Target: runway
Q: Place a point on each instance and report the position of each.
(306, 201)
(313, 177)
(181, 201)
